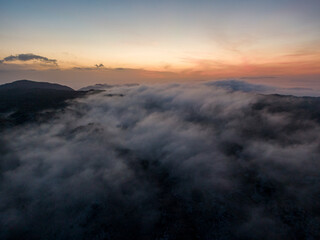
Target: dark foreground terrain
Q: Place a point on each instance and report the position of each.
(24, 101)
(159, 162)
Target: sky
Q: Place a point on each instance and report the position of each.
(78, 43)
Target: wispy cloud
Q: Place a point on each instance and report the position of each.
(28, 57)
(102, 67)
(99, 65)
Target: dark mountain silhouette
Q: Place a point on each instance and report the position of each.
(27, 84)
(23, 101)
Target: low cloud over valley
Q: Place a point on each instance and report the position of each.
(169, 161)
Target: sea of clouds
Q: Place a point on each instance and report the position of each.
(163, 162)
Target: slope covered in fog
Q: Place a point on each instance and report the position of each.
(165, 162)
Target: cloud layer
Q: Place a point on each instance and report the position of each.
(164, 162)
(28, 57)
(237, 85)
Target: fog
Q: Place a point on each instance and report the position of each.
(169, 161)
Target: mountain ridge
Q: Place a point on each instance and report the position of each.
(23, 100)
(28, 84)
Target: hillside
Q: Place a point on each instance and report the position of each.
(27, 84)
(22, 101)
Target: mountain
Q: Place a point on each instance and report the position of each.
(27, 84)
(100, 86)
(23, 101)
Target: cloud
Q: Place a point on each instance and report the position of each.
(102, 67)
(96, 67)
(165, 162)
(99, 65)
(236, 85)
(259, 77)
(28, 57)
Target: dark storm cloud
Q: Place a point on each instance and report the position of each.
(165, 162)
(28, 57)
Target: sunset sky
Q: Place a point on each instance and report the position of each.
(78, 43)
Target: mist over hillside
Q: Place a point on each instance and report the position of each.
(169, 161)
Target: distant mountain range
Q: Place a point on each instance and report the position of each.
(106, 86)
